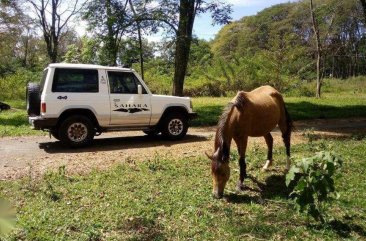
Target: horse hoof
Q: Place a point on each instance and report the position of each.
(267, 165)
(240, 187)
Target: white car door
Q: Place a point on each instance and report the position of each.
(128, 108)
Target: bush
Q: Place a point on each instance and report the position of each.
(312, 179)
(302, 89)
(12, 87)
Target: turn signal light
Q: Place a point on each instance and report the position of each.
(43, 107)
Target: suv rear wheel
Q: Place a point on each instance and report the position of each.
(174, 126)
(54, 133)
(76, 131)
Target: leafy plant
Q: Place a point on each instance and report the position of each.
(312, 180)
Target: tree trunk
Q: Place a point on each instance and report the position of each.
(183, 44)
(140, 41)
(111, 48)
(318, 50)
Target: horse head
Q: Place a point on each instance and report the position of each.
(220, 171)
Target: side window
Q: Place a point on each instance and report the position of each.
(123, 83)
(43, 80)
(75, 80)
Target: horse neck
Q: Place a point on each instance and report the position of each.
(224, 133)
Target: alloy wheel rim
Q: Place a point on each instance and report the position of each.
(77, 132)
(175, 127)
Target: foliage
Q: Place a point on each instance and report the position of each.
(267, 30)
(314, 183)
(12, 86)
(110, 20)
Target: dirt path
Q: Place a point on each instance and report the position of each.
(34, 155)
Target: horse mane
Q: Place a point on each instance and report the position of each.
(219, 139)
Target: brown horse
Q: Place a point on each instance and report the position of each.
(254, 113)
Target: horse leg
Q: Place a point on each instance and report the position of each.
(242, 146)
(286, 136)
(269, 141)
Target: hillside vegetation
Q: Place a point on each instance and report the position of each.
(275, 47)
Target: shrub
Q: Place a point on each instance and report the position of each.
(12, 87)
(312, 179)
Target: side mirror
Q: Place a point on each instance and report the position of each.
(139, 89)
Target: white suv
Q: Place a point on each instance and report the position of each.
(75, 102)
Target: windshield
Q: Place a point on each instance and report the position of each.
(43, 80)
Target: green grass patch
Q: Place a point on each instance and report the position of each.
(331, 105)
(170, 199)
(14, 122)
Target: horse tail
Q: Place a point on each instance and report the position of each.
(289, 122)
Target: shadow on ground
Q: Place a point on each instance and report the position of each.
(273, 187)
(118, 143)
(342, 228)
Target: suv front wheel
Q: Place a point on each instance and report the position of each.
(76, 131)
(174, 126)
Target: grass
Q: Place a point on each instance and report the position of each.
(14, 122)
(170, 199)
(341, 99)
(331, 105)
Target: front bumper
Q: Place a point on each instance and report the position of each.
(39, 123)
(192, 115)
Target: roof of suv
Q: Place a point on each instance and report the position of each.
(86, 66)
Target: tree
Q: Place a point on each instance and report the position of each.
(363, 3)
(318, 49)
(53, 17)
(110, 20)
(188, 10)
(19, 43)
(165, 14)
(138, 24)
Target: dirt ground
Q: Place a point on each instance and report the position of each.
(32, 156)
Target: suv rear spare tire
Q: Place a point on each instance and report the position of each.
(174, 126)
(33, 99)
(76, 131)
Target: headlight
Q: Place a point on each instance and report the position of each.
(191, 104)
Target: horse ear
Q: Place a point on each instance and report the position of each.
(209, 156)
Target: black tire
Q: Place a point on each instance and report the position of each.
(33, 99)
(54, 133)
(174, 126)
(80, 125)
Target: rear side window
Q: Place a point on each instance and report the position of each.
(75, 80)
(43, 80)
(123, 83)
